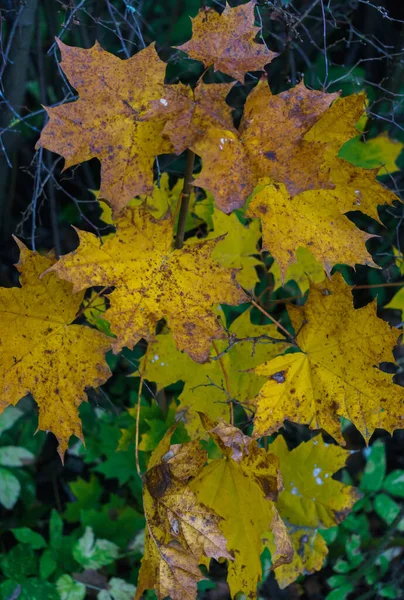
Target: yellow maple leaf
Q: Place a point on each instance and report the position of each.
(152, 281)
(227, 41)
(242, 487)
(310, 500)
(109, 120)
(289, 223)
(165, 198)
(42, 353)
(236, 249)
(305, 269)
(335, 373)
(210, 387)
(180, 530)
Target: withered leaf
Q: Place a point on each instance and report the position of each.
(180, 530)
(227, 41)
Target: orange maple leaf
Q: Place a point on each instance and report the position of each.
(227, 41)
(109, 120)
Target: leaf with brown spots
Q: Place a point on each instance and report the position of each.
(42, 353)
(190, 113)
(310, 500)
(180, 531)
(242, 487)
(292, 223)
(109, 120)
(153, 281)
(227, 41)
(336, 372)
(212, 386)
(270, 143)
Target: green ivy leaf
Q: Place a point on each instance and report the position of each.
(14, 456)
(386, 508)
(93, 554)
(10, 489)
(118, 590)
(394, 483)
(69, 589)
(8, 417)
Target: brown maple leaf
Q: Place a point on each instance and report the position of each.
(270, 143)
(109, 120)
(180, 530)
(227, 41)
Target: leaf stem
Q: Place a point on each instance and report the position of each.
(264, 312)
(185, 196)
(226, 381)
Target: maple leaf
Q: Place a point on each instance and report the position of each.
(247, 477)
(210, 387)
(153, 281)
(180, 530)
(292, 223)
(310, 500)
(379, 152)
(305, 269)
(336, 373)
(227, 41)
(270, 143)
(236, 249)
(190, 113)
(109, 120)
(165, 198)
(41, 353)
(358, 188)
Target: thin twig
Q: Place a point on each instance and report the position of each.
(185, 197)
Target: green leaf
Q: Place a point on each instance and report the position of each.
(337, 580)
(29, 537)
(353, 550)
(388, 591)
(8, 417)
(372, 575)
(118, 590)
(340, 593)
(120, 465)
(69, 589)
(19, 562)
(386, 508)
(47, 564)
(394, 483)
(10, 489)
(14, 456)
(375, 469)
(114, 521)
(87, 494)
(30, 589)
(330, 535)
(342, 566)
(93, 554)
(55, 530)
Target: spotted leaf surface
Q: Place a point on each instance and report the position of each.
(42, 353)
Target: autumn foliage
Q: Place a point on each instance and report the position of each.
(280, 169)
